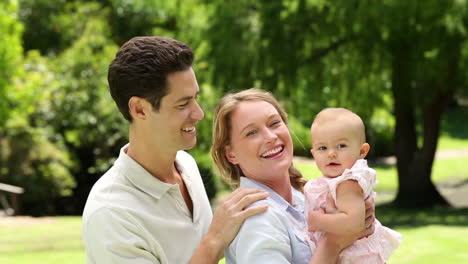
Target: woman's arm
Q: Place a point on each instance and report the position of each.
(351, 215)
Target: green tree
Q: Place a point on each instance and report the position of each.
(406, 57)
(10, 55)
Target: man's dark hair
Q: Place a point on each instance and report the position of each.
(141, 67)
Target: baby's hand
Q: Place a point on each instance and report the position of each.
(313, 221)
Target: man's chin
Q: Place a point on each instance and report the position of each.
(190, 145)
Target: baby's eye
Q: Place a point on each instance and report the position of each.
(322, 148)
(342, 146)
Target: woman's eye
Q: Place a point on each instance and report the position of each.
(274, 123)
(251, 132)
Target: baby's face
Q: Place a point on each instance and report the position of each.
(335, 147)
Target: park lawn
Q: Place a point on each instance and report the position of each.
(429, 236)
(431, 244)
(51, 240)
(450, 143)
(444, 170)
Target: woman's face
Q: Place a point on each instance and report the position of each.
(260, 142)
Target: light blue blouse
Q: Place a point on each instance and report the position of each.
(276, 236)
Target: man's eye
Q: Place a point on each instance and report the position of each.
(184, 105)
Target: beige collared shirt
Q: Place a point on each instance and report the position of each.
(132, 217)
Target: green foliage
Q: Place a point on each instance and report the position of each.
(310, 54)
(33, 162)
(10, 55)
(39, 32)
(300, 135)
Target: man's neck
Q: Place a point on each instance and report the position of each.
(158, 163)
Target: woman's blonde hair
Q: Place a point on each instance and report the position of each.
(231, 173)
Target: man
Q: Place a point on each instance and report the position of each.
(151, 205)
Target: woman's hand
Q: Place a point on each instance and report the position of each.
(370, 217)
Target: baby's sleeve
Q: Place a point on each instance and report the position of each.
(361, 173)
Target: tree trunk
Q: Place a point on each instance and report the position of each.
(414, 164)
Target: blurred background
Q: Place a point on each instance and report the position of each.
(401, 65)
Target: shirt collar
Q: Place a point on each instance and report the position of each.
(142, 179)
(297, 197)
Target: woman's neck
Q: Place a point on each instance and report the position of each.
(281, 185)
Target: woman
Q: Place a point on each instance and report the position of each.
(252, 148)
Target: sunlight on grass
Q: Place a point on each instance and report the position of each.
(448, 143)
(48, 240)
(443, 170)
(432, 244)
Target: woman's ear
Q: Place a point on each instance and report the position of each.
(230, 155)
(364, 150)
(136, 107)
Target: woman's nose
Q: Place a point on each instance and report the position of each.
(270, 135)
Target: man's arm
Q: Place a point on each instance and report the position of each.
(227, 220)
(110, 238)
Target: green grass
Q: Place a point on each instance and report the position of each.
(52, 242)
(430, 236)
(432, 244)
(449, 143)
(443, 170)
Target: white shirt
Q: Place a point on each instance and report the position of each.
(132, 217)
(276, 236)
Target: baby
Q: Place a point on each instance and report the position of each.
(339, 148)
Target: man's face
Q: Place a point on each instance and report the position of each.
(173, 125)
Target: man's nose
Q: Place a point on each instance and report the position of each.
(197, 112)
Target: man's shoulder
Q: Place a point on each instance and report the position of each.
(108, 190)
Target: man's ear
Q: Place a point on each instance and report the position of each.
(136, 107)
(230, 155)
(364, 150)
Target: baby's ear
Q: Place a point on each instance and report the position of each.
(312, 152)
(364, 150)
(230, 155)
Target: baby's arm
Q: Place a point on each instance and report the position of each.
(351, 211)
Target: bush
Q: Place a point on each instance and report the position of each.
(30, 160)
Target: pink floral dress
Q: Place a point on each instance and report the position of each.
(376, 248)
